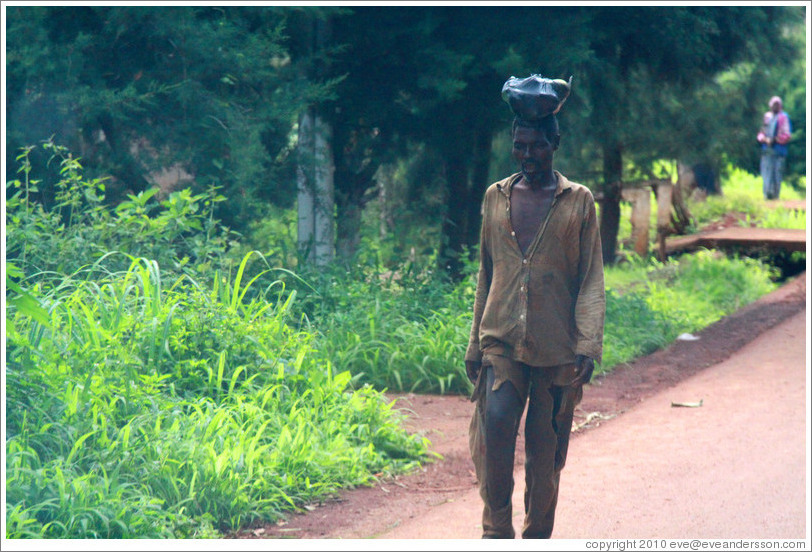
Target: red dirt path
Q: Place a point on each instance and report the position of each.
(378, 511)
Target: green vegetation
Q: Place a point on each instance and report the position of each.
(167, 402)
(742, 193)
(650, 303)
(147, 408)
(404, 331)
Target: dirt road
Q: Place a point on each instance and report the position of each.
(735, 467)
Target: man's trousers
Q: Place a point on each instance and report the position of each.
(772, 172)
(503, 389)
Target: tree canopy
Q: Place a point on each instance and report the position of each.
(213, 95)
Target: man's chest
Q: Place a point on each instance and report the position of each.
(528, 212)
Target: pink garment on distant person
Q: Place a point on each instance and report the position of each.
(782, 132)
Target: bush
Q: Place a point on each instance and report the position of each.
(404, 331)
(155, 409)
(179, 232)
(157, 389)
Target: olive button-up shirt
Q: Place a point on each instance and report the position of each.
(547, 305)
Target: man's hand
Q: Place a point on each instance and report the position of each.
(585, 366)
(472, 368)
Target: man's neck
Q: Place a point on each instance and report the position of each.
(544, 183)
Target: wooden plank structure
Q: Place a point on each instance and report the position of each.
(792, 204)
(750, 239)
(673, 217)
(671, 212)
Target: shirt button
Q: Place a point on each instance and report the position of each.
(521, 316)
(524, 261)
(512, 233)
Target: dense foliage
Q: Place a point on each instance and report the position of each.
(161, 396)
(206, 95)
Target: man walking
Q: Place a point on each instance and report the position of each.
(538, 315)
(773, 136)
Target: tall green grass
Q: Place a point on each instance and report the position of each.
(411, 334)
(402, 331)
(152, 408)
(650, 303)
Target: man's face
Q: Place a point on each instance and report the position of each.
(534, 153)
(775, 107)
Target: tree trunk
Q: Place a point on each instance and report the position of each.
(479, 183)
(324, 206)
(306, 196)
(348, 230)
(641, 219)
(352, 181)
(665, 191)
(385, 177)
(610, 204)
(315, 170)
(314, 175)
(686, 182)
(453, 231)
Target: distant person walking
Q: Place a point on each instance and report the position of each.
(773, 136)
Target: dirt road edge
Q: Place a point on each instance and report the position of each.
(370, 511)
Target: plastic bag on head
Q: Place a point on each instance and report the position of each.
(535, 97)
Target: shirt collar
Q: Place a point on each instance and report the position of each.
(506, 186)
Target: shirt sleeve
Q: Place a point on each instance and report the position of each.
(483, 286)
(590, 306)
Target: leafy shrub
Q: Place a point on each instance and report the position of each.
(707, 286)
(157, 389)
(156, 409)
(633, 329)
(405, 331)
(179, 231)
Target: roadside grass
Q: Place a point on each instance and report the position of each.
(411, 336)
(158, 408)
(742, 193)
(152, 409)
(650, 303)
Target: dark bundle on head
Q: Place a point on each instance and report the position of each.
(535, 97)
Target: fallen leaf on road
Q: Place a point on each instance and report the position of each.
(592, 416)
(688, 404)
